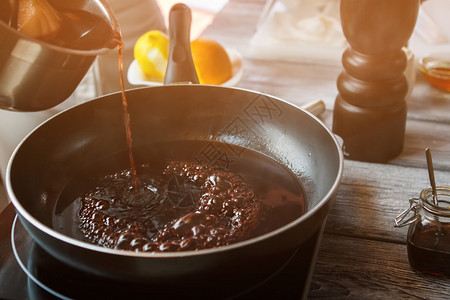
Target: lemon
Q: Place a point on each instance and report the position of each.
(151, 52)
(211, 61)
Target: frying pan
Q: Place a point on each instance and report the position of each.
(58, 150)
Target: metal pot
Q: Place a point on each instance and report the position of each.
(57, 151)
(35, 75)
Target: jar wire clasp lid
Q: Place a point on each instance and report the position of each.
(414, 205)
(401, 220)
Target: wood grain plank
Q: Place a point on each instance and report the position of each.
(419, 135)
(363, 269)
(428, 103)
(372, 195)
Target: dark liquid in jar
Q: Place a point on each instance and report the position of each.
(179, 204)
(429, 250)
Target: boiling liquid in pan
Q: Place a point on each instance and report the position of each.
(177, 204)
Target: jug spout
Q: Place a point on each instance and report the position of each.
(40, 69)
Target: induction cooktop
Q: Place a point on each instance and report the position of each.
(28, 272)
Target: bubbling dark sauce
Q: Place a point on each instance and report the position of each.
(188, 207)
(179, 205)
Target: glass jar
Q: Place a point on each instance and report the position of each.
(428, 241)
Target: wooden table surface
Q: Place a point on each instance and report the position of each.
(362, 255)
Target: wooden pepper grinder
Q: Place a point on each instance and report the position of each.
(370, 110)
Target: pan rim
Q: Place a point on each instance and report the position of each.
(128, 253)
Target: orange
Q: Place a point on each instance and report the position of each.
(211, 61)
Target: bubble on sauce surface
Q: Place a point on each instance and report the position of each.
(189, 207)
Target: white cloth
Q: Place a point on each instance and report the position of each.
(432, 33)
(300, 30)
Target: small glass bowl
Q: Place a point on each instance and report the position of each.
(436, 69)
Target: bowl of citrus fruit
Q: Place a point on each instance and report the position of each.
(214, 64)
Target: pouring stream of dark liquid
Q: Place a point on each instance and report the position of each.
(126, 115)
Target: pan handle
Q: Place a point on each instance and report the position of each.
(180, 66)
(315, 107)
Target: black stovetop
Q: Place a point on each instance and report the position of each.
(50, 277)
